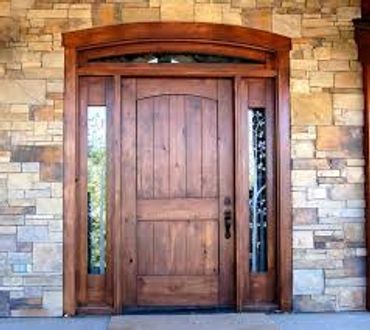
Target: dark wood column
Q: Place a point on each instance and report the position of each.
(362, 36)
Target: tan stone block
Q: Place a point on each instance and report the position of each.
(258, 18)
(208, 13)
(47, 257)
(299, 74)
(49, 206)
(303, 133)
(348, 13)
(352, 298)
(322, 53)
(22, 4)
(304, 216)
(287, 25)
(19, 108)
(105, 14)
(355, 174)
(8, 230)
(348, 80)
(303, 149)
(347, 191)
(5, 156)
(56, 189)
(299, 86)
(10, 167)
(348, 117)
(328, 173)
(55, 86)
(79, 13)
(9, 29)
(308, 65)
(246, 3)
(345, 141)
(265, 3)
(46, 13)
(303, 178)
(231, 16)
(348, 101)
(155, 3)
(53, 60)
(311, 109)
(354, 232)
(4, 8)
(321, 22)
(130, 15)
(320, 32)
(22, 180)
(23, 91)
(322, 79)
(177, 10)
(356, 162)
(41, 46)
(334, 65)
(344, 51)
(317, 193)
(303, 239)
(53, 302)
(44, 73)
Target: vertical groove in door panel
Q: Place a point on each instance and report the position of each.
(193, 126)
(178, 246)
(161, 147)
(177, 147)
(145, 242)
(210, 247)
(195, 253)
(145, 152)
(162, 248)
(209, 149)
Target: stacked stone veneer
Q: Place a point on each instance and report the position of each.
(327, 160)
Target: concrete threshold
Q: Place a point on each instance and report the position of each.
(229, 321)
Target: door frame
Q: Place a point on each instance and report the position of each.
(270, 54)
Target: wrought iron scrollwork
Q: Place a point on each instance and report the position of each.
(257, 190)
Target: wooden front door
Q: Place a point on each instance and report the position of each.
(177, 192)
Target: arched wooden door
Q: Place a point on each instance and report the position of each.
(176, 169)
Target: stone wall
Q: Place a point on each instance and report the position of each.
(327, 104)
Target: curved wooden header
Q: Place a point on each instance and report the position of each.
(175, 31)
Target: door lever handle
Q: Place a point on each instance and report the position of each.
(228, 218)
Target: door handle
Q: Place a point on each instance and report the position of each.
(228, 221)
(228, 217)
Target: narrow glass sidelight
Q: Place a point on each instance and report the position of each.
(96, 188)
(257, 190)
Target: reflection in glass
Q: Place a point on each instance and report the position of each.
(257, 190)
(96, 187)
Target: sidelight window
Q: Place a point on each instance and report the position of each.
(257, 190)
(96, 188)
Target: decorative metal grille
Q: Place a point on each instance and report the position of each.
(171, 58)
(257, 190)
